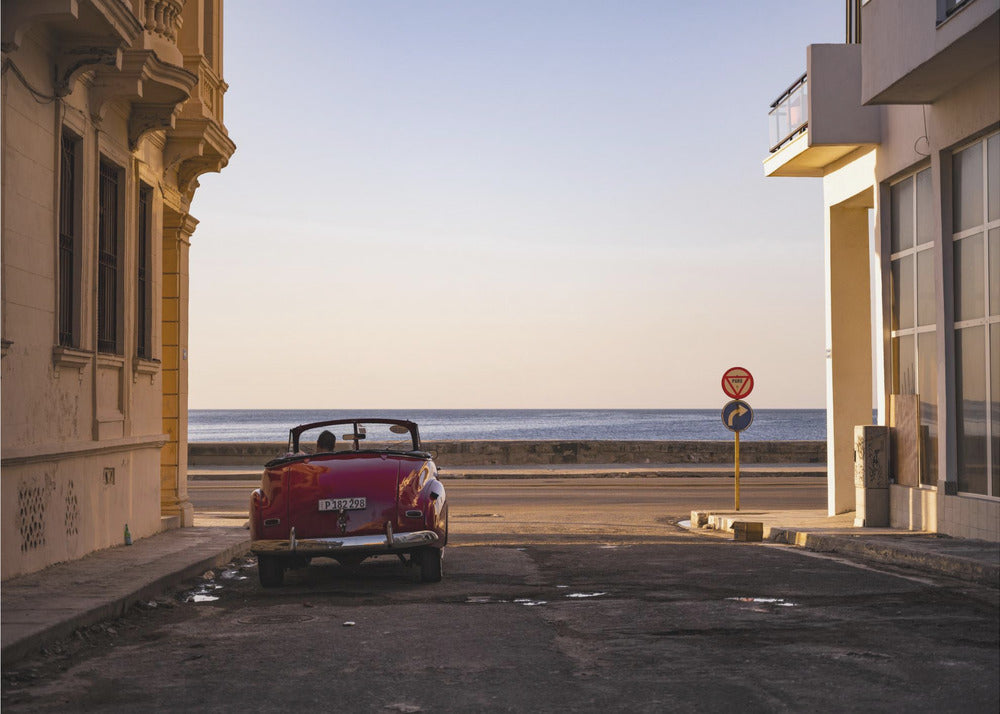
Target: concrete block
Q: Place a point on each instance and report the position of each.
(699, 519)
(748, 531)
(720, 522)
(872, 508)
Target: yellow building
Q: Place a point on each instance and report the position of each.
(111, 111)
(901, 123)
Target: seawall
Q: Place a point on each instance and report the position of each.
(518, 453)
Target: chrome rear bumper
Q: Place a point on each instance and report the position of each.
(374, 544)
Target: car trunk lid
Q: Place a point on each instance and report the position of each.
(343, 495)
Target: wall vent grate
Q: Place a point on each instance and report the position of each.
(31, 516)
(72, 511)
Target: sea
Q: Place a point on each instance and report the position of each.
(255, 425)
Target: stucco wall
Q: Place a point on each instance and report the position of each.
(72, 411)
(62, 509)
(910, 53)
(965, 112)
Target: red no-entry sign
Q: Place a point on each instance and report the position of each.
(737, 383)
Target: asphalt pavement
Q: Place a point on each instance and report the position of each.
(40, 608)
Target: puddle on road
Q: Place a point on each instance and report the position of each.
(201, 597)
(529, 602)
(208, 589)
(487, 600)
(778, 601)
(203, 593)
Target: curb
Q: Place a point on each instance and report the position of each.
(119, 605)
(951, 565)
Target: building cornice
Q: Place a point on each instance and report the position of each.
(60, 451)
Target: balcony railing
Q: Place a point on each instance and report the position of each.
(789, 115)
(163, 17)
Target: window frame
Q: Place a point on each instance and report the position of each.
(110, 263)
(69, 245)
(987, 321)
(144, 273)
(928, 467)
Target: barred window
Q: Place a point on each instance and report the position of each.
(109, 258)
(143, 287)
(68, 241)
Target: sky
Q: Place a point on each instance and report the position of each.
(507, 204)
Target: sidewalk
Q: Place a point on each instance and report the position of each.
(972, 560)
(41, 607)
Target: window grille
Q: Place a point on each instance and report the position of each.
(67, 241)
(108, 259)
(142, 276)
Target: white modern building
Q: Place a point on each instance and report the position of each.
(902, 124)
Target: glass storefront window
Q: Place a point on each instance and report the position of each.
(994, 272)
(925, 208)
(970, 388)
(927, 389)
(905, 374)
(976, 260)
(925, 291)
(969, 288)
(993, 162)
(902, 288)
(995, 408)
(914, 307)
(901, 199)
(967, 188)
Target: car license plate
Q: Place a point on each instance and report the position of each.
(343, 504)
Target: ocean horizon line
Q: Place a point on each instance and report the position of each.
(501, 409)
(255, 425)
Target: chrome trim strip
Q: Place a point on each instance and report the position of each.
(377, 543)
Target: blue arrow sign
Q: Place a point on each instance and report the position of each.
(737, 415)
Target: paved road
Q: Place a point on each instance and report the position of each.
(488, 510)
(557, 597)
(680, 622)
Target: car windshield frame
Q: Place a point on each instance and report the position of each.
(411, 427)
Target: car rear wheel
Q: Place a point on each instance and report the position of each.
(271, 571)
(430, 565)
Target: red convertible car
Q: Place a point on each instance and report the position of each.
(349, 490)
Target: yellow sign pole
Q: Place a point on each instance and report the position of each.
(737, 471)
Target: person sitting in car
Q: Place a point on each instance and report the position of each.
(326, 442)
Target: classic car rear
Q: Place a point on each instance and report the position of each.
(349, 489)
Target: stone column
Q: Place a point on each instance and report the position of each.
(177, 230)
(848, 335)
